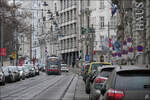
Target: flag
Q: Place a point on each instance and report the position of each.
(113, 9)
(110, 43)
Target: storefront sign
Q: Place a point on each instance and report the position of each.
(3, 51)
(139, 13)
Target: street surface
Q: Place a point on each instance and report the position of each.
(68, 86)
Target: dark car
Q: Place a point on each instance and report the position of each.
(2, 77)
(15, 70)
(98, 80)
(91, 72)
(85, 71)
(127, 83)
(21, 72)
(41, 67)
(9, 75)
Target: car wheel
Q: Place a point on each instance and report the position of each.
(3, 83)
(23, 78)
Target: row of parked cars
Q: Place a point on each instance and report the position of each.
(16, 73)
(104, 81)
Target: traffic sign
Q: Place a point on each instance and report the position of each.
(139, 48)
(14, 55)
(87, 57)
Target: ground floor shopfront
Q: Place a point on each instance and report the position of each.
(70, 58)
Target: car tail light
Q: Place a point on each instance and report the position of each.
(100, 80)
(114, 94)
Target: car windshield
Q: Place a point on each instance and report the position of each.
(63, 65)
(105, 72)
(20, 68)
(135, 81)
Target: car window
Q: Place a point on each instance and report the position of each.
(106, 72)
(134, 81)
(64, 65)
(20, 68)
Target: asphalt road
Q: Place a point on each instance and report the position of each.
(67, 86)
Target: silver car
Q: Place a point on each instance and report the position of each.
(21, 72)
(64, 68)
(2, 77)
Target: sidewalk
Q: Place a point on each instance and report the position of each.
(80, 90)
(76, 90)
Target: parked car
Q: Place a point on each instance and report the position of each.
(127, 83)
(21, 72)
(85, 71)
(26, 71)
(42, 67)
(92, 70)
(9, 75)
(31, 69)
(15, 70)
(37, 72)
(64, 68)
(98, 80)
(2, 77)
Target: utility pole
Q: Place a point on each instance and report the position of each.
(16, 35)
(2, 18)
(30, 43)
(108, 39)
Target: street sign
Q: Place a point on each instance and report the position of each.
(87, 57)
(3, 51)
(139, 48)
(14, 55)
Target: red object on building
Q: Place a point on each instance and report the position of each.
(3, 51)
(33, 60)
(110, 43)
(94, 52)
(21, 61)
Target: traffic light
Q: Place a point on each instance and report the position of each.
(80, 57)
(83, 30)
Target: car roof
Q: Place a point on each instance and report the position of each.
(130, 68)
(107, 66)
(100, 63)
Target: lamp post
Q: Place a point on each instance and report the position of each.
(1, 24)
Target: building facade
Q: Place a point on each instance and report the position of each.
(96, 14)
(134, 23)
(69, 30)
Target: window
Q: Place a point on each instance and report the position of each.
(113, 22)
(101, 4)
(55, 7)
(101, 21)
